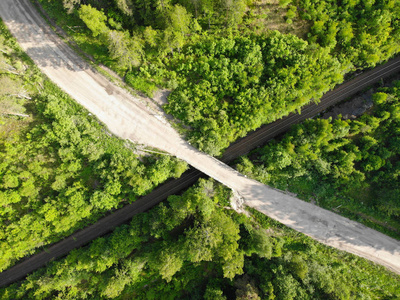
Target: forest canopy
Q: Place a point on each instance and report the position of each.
(228, 73)
(351, 164)
(60, 170)
(192, 247)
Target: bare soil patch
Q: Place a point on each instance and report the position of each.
(270, 16)
(358, 105)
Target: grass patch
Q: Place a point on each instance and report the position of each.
(139, 83)
(269, 15)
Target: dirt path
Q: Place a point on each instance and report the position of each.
(130, 119)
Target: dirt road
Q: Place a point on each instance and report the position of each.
(127, 118)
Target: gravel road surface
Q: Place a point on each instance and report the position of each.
(128, 118)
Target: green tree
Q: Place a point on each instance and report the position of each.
(127, 50)
(178, 20)
(284, 3)
(150, 36)
(94, 19)
(126, 6)
(172, 40)
(379, 98)
(167, 260)
(69, 5)
(214, 293)
(232, 11)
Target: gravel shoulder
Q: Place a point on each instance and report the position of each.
(129, 118)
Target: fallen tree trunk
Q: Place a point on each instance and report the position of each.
(15, 114)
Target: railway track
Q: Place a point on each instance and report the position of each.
(239, 148)
(243, 146)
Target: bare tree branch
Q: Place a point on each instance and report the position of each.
(21, 96)
(14, 114)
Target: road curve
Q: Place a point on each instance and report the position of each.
(128, 118)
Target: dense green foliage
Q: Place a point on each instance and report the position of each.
(192, 248)
(60, 170)
(364, 32)
(234, 85)
(354, 164)
(228, 76)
